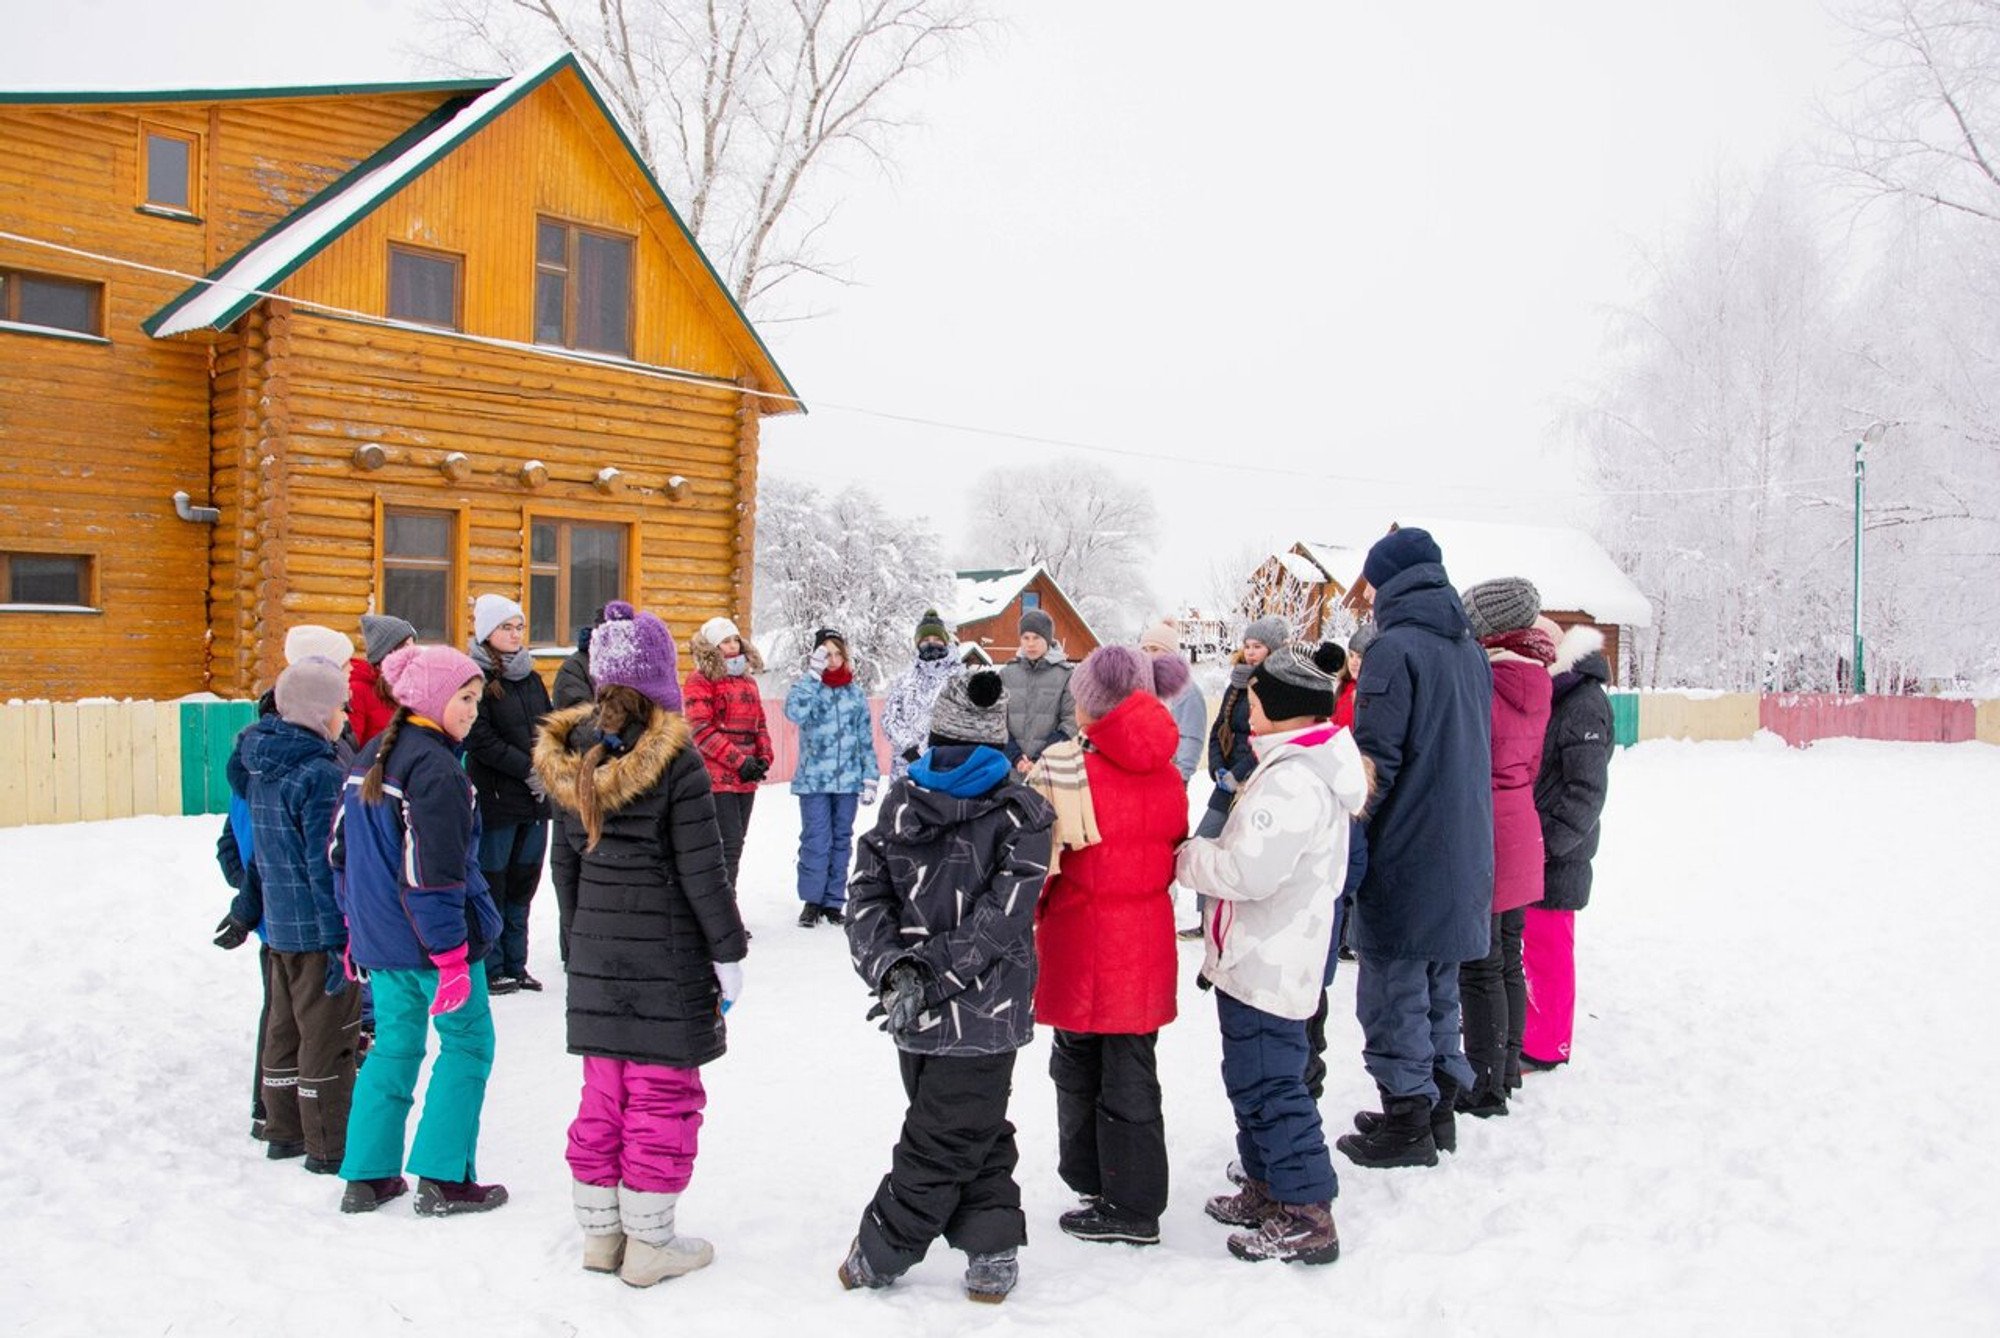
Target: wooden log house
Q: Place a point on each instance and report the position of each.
(452, 339)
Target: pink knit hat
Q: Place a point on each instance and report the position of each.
(635, 650)
(1110, 674)
(424, 678)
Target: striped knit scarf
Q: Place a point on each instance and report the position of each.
(1060, 778)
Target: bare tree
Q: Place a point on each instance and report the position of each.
(744, 110)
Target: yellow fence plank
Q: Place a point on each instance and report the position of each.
(13, 765)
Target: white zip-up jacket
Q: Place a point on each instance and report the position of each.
(1274, 874)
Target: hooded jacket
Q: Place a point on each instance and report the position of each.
(948, 883)
(836, 737)
(726, 713)
(654, 912)
(1423, 715)
(294, 788)
(1039, 708)
(1273, 877)
(1520, 720)
(1575, 769)
(1104, 929)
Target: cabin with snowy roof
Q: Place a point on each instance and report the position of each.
(283, 355)
(987, 608)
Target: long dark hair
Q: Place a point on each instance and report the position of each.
(618, 707)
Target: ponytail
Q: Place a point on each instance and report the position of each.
(619, 709)
(371, 784)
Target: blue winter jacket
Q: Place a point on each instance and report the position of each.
(836, 738)
(406, 870)
(1423, 715)
(293, 787)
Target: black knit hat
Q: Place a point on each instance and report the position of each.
(1297, 680)
(932, 625)
(971, 709)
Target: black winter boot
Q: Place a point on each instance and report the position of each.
(1402, 1139)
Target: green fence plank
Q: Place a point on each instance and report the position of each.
(1624, 718)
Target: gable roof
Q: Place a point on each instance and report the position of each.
(1572, 571)
(228, 292)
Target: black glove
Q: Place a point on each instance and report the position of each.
(231, 932)
(751, 770)
(336, 972)
(902, 997)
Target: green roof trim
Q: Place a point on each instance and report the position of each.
(101, 96)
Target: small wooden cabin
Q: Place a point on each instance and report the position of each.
(988, 607)
(452, 338)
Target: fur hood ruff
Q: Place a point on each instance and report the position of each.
(621, 777)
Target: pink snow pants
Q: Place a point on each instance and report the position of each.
(1548, 960)
(636, 1125)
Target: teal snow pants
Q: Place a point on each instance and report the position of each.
(448, 1133)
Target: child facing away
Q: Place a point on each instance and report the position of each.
(1272, 880)
(420, 922)
(942, 929)
(655, 944)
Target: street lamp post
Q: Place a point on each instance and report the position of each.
(1868, 438)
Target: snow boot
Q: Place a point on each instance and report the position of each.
(365, 1196)
(856, 1272)
(1444, 1121)
(1098, 1220)
(1297, 1233)
(1248, 1207)
(1402, 1139)
(653, 1253)
(808, 915)
(603, 1230)
(989, 1277)
(450, 1198)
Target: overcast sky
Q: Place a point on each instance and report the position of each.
(1350, 240)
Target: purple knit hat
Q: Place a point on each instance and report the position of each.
(1110, 674)
(424, 678)
(635, 650)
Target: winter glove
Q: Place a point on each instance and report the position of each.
(336, 972)
(535, 786)
(868, 791)
(818, 660)
(729, 975)
(454, 981)
(751, 770)
(1227, 780)
(231, 933)
(902, 997)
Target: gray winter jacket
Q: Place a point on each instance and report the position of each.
(1039, 709)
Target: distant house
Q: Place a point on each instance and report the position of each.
(1579, 582)
(1304, 585)
(453, 338)
(987, 606)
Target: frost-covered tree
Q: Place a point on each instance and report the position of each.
(745, 110)
(840, 560)
(1094, 531)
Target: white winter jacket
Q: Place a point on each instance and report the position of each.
(1274, 874)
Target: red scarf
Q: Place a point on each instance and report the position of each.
(841, 677)
(1530, 643)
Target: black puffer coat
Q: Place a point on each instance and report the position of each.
(1576, 765)
(950, 884)
(654, 912)
(500, 747)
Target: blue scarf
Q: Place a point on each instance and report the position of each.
(981, 770)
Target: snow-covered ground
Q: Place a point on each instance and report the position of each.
(1776, 1122)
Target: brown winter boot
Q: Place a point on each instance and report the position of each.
(1248, 1207)
(1297, 1233)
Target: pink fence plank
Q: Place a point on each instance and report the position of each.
(785, 739)
(1803, 718)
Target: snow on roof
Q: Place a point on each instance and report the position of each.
(215, 302)
(978, 595)
(1570, 569)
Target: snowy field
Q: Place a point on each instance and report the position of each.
(1777, 1121)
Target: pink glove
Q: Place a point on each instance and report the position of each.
(454, 981)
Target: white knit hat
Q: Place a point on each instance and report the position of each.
(310, 641)
(489, 611)
(718, 630)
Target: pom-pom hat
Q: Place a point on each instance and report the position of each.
(635, 650)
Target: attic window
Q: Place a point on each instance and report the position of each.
(169, 167)
(583, 288)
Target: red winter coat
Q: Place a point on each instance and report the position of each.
(367, 714)
(1104, 929)
(1521, 695)
(727, 715)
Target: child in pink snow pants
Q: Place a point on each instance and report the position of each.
(655, 945)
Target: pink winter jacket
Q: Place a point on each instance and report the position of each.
(1521, 698)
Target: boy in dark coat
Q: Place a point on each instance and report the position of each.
(1423, 716)
(941, 927)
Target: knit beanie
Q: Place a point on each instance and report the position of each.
(310, 641)
(971, 709)
(635, 650)
(310, 691)
(1298, 680)
(1363, 638)
(718, 630)
(1398, 551)
(382, 633)
(1162, 638)
(425, 678)
(489, 611)
(1504, 605)
(932, 625)
(1038, 622)
(1271, 629)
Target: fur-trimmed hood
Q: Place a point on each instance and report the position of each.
(621, 777)
(708, 657)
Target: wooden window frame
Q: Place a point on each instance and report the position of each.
(563, 518)
(194, 140)
(458, 581)
(571, 230)
(93, 598)
(457, 262)
(10, 305)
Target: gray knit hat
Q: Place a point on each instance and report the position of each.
(972, 708)
(382, 633)
(1039, 622)
(1270, 629)
(1504, 605)
(310, 691)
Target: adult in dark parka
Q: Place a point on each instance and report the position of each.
(1423, 716)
